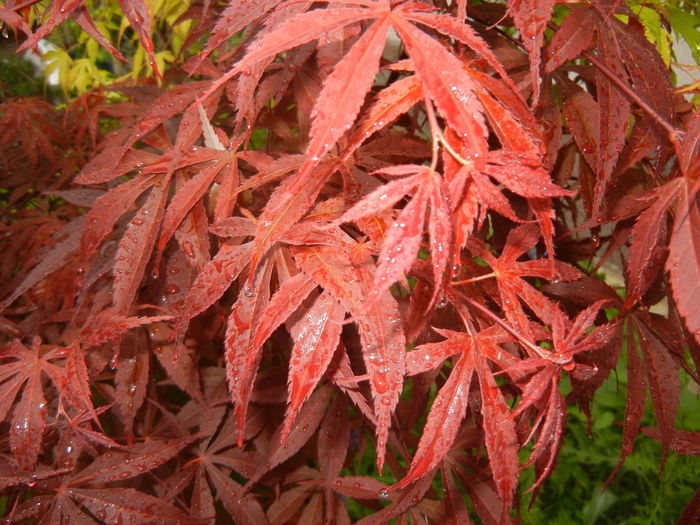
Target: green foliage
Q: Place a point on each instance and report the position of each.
(18, 78)
(640, 494)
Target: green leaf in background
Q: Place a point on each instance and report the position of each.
(686, 25)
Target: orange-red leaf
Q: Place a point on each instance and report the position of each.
(316, 337)
(242, 358)
(500, 435)
(444, 420)
(445, 81)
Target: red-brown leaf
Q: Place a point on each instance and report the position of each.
(105, 212)
(135, 249)
(138, 15)
(682, 441)
(28, 422)
(401, 243)
(333, 436)
(531, 17)
(664, 383)
(684, 260)
(215, 278)
(391, 102)
(571, 39)
(184, 200)
(118, 505)
(648, 245)
(344, 92)
(131, 380)
(117, 466)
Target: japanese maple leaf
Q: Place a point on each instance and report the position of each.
(509, 273)
(450, 406)
(61, 10)
(403, 238)
(541, 390)
(446, 413)
(344, 90)
(379, 321)
(155, 175)
(21, 371)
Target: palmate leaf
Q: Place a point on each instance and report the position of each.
(293, 32)
(54, 257)
(511, 133)
(615, 110)
(308, 421)
(214, 279)
(682, 441)
(105, 212)
(403, 238)
(334, 113)
(138, 15)
(648, 245)
(333, 437)
(509, 273)
(582, 115)
(238, 15)
(131, 380)
(115, 466)
(345, 89)
(379, 323)
(14, 20)
(23, 373)
(499, 433)
(662, 378)
(389, 104)
(188, 195)
(304, 206)
(571, 39)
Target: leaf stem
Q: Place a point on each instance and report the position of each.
(612, 76)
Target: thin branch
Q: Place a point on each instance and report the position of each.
(613, 77)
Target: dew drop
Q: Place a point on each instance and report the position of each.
(383, 493)
(380, 384)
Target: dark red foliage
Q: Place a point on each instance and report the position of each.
(197, 331)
